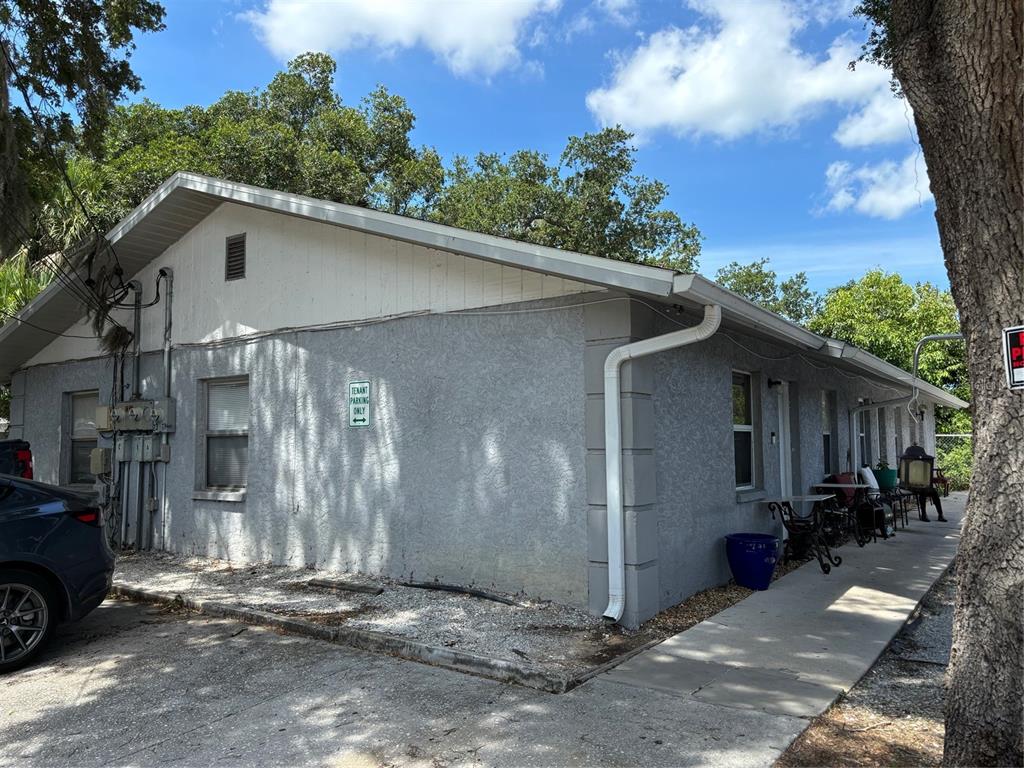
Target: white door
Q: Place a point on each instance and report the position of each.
(785, 454)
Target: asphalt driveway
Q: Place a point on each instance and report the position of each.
(133, 685)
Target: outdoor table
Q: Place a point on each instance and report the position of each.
(805, 528)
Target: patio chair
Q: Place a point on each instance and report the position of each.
(863, 516)
(939, 479)
(886, 498)
(807, 533)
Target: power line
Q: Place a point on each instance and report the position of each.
(61, 169)
(65, 277)
(62, 276)
(13, 316)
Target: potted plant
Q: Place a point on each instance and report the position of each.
(886, 477)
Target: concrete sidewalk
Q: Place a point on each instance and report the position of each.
(793, 649)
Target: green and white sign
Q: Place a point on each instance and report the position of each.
(359, 403)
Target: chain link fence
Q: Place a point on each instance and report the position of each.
(953, 453)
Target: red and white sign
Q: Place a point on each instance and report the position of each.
(1013, 354)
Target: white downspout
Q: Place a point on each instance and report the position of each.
(613, 442)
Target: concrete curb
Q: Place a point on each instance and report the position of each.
(501, 670)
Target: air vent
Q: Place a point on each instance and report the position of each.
(234, 260)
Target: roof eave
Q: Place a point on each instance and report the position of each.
(703, 291)
(841, 350)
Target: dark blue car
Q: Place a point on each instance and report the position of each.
(55, 564)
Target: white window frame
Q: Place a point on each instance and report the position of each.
(79, 437)
(826, 429)
(745, 428)
(204, 489)
(862, 438)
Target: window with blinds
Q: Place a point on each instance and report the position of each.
(82, 436)
(227, 433)
(234, 257)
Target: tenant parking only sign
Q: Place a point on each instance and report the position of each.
(359, 403)
(1013, 352)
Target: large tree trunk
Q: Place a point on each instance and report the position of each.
(959, 63)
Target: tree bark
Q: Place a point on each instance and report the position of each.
(959, 64)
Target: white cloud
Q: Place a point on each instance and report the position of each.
(472, 37)
(885, 190)
(740, 72)
(620, 11)
(883, 120)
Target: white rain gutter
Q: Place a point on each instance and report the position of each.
(613, 442)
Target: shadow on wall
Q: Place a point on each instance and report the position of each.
(471, 472)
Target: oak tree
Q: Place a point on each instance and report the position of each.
(959, 64)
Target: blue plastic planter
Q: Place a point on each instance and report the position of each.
(752, 558)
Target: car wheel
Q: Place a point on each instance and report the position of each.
(27, 617)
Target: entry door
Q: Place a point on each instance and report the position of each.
(785, 452)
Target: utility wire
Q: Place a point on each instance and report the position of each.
(82, 292)
(63, 276)
(61, 169)
(21, 320)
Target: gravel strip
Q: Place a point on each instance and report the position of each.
(543, 633)
(560, 639)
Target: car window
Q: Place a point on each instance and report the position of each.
(12, 498)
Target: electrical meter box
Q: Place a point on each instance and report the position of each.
(99, 461)
(133, 416)
(163, 414)
(103, 423)
(153, 449)
(143, 416)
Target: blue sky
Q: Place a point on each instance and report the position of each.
(746, 109)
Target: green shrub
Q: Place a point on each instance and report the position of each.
(956, 465)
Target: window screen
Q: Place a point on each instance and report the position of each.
(227, 433)
(83, 436)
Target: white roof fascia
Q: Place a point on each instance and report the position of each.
(840, 350)
(636, 278)
(609, 273)
(701, 290)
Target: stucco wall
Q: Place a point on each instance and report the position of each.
(485, 462)
(696, 498)
(472, 472)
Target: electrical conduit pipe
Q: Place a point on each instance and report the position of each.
(613, 442)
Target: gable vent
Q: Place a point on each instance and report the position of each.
(234, 259)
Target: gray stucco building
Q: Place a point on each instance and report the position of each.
(373, 393)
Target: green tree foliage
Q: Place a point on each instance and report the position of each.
(294, 135)
(591, 201)
(20, 281)
(886, 316)
(71, 54)
(790, 298)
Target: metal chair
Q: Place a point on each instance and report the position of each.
(809, 529)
